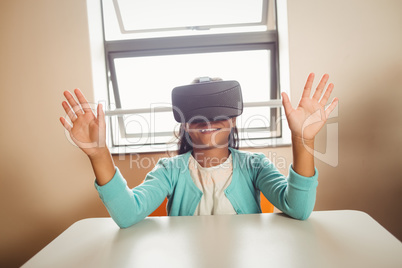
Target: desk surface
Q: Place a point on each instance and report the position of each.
(327, 239)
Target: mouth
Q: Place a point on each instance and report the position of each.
(209, 130)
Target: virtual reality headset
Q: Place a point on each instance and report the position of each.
(207, 101)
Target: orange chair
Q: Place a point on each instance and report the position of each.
(266, 207)
(161, 210)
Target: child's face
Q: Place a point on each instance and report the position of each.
(208, 135)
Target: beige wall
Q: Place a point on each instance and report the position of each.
(359, 43)
(47, 184)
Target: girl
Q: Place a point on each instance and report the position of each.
(209, 175)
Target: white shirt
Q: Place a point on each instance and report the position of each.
(212, 182)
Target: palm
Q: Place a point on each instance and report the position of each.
(87, 131)
(310, 115)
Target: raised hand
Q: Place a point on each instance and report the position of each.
(87, 130)
(310, 115)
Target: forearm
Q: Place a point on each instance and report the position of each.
(103, 166)
(299, 198)
(303, 156)
(293, 195)
(128, 206)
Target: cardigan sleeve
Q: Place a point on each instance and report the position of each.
(128, 206)
(294, 195)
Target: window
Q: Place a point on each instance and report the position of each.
(153, 46)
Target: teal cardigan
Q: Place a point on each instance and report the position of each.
(252, 173)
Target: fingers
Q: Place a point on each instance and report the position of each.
(102, 126)
(320, 87)
(83, 101)
(327, 94)
(307, 87)
(66, 125)
(73, 108)
(101, 115)
(331, 107)
(74, 105)
(286, 103)
(69, 111)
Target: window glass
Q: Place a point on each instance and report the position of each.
(161, 14)
(131, 19)
(146, 81)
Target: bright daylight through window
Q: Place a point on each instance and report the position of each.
(153, 46)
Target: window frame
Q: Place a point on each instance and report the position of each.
(191, 44)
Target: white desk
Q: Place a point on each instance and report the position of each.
(327, 239)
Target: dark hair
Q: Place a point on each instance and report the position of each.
(184, 141)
